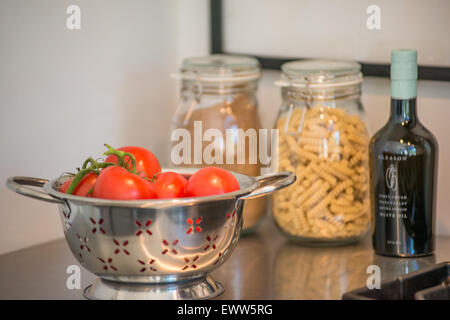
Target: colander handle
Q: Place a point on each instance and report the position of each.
(17, 184)
(269, 183)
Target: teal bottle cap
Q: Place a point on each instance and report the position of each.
(404, 65)
(404, 74)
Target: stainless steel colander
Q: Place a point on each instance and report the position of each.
(152, 249)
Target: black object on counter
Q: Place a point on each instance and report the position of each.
(431, 283)
(403, 163)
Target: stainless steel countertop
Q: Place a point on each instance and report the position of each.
(264, 265)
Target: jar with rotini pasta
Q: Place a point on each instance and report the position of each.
(323, 139)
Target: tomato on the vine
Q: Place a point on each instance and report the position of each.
(147, 165)
(118, 183)
(169, 185)
(131, 173)
(210, 181)
(84, 188)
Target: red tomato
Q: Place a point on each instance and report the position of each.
(65, 186)
(210, 181)
(169, 185)
(85, 185)
(119, 184)
(146, 162)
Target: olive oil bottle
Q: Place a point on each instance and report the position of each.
(403, 167)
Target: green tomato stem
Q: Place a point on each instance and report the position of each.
(89, 161)
(91, 165)
(121, 158)
(78, 177)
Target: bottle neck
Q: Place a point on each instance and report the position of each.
(403, 111)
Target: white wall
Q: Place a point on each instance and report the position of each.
(64, 93)
(338, 29)
(192, 29)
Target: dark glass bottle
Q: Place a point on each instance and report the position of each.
(403, 162)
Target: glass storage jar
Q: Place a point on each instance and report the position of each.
(323, 139)
(218, 98)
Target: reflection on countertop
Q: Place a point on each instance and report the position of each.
(318, 273)
(265, 265)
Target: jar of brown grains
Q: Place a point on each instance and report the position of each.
(217, 108)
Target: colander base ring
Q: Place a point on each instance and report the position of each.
(202, 288)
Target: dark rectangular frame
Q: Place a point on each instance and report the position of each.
(274, 63)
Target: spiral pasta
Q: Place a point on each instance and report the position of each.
(327, 149)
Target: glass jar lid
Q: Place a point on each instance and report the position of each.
(221, 68)
(320, 73)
